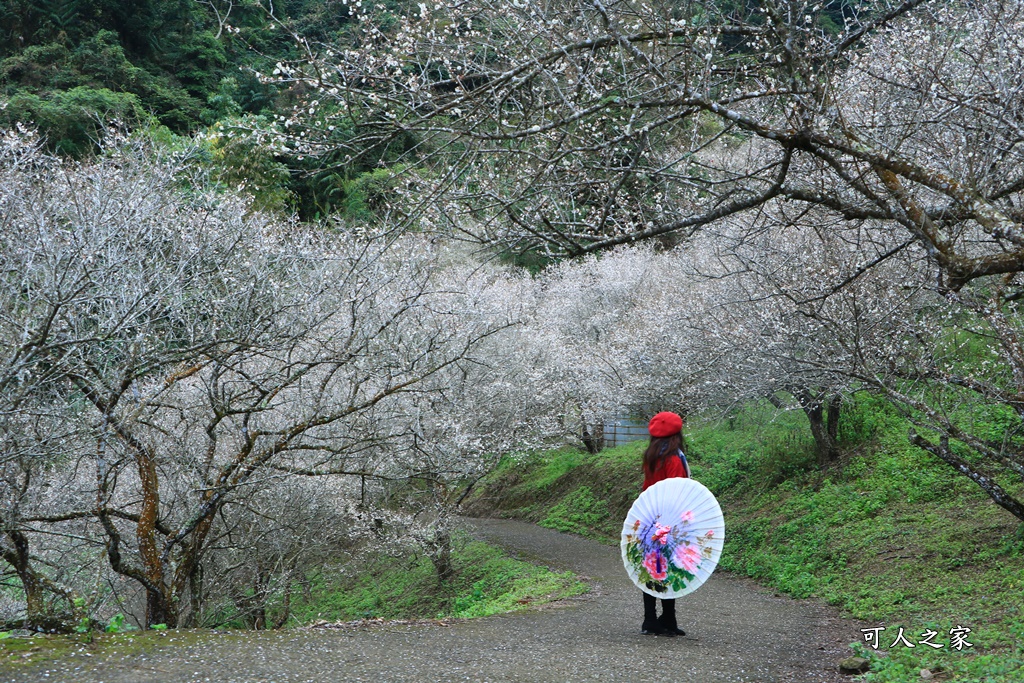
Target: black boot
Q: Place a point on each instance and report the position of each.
(651, 625)
(667, 620)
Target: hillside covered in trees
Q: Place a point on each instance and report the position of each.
(69, 68)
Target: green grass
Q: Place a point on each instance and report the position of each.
(565, 489)
(486, 582)
(889, 534)
(578, 511)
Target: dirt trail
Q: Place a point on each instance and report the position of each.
(736, 632)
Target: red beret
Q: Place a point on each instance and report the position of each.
(665, 424)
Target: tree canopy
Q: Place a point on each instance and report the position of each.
(572, 127)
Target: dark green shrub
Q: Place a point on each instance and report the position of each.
(73, 121)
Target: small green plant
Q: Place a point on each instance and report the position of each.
(159, 627)
(465, 603)
(117, 624)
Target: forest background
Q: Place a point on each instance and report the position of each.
(261, 256)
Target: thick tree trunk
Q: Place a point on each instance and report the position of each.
(195, 598)
(835, 405)
(161, 597)
(38, 616)
(824, 427)
(441, 556)
(286, 608)
(18, 557)
(159, 605)
(159, 610)
(593, 439)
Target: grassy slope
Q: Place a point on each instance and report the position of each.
(889, 534)
(486, 582)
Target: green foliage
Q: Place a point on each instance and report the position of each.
(101, 59)
(174, 63)
(37, 66)
(752, 446)
(904, 664)
(566, 489)
(892, 535)
(237, 160)
(578, 512)
(73, 121)
(223, 103)
(364, 196)
(98, 63)
(117, 624)
(552, 466)
(864, 420)
(166, 53)
(61, 15)
(486, 582)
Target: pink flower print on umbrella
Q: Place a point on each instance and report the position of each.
(665, 548)
(686, 557)
(655, 565)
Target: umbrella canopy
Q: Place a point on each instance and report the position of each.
(672, 537)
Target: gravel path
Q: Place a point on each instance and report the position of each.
(736, 632)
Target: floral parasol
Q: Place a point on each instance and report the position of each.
(672, 537)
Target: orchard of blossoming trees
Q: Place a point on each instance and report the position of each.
(185, 384)
(856, 165)
(201, 403)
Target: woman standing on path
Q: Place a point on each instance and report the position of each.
(663, 459)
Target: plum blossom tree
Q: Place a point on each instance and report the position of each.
(193, 353)
(574, 126)
(728, 318)
(569, 128)
(586, 313)
(799, 311)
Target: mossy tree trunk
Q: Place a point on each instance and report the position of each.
(17, 556)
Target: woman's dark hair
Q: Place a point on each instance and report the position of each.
(660, 448)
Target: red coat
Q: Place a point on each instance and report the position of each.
(672, 466)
